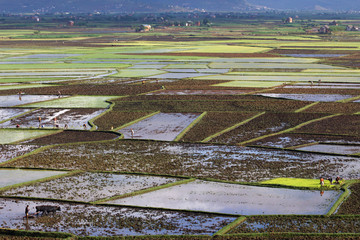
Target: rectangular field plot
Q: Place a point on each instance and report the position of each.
(88, 187)
(13, 100)
(214, 122)
(92, 220)
(199, 92)
(76, 102)
(6, 113)
(16, 135)
(263, 60)
(273, 65)
(267, 104)
(265, 124)
(252, 84)
(137, 72)
(11, 177)
(232, 163)
(235, 199)
(332, 148)
(308, 97)
(8, 152)
(54, 118)
(179, 75)
(332, 224)
(324, 86)
(280, 78)
(343, 124)
(162, 126)
(292, 139)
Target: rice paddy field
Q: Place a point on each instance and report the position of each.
(220, 132)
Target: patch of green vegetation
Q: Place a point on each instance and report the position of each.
(137, 72)
(251, 84)
(76, 102)
(16, 135)
(300, 183)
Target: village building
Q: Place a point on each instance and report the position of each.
(145, 28)
(352, 28)
(334, 23)
(289, 20)
(324, 29)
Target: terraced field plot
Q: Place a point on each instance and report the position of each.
(110, 221)
(88, 187)
(299, 224)
(308, 97)
(14, 100)
(8, 152)
(12, 177)
(327, 148)
(293, 139)
(16, 135)
(54, 118)
(76, 102)
(236, 199)
(232, 163)
(162, 126)
(6, 113)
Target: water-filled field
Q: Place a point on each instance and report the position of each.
(12, 177)
(162, 126)
(236, 199)
(88, 187)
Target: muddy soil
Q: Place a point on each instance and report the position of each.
(71, 136)
(231, 163)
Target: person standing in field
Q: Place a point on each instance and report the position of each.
(27, 209)
(132, 133)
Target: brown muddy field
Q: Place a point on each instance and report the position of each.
(288, 140)
(352, 204)
(265, 124)
(89, 89)
(334, 107)
(69, 136)
(343, 125)
(231, 163)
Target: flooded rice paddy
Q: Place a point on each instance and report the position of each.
(6, 113)
(90, 220)
(10, 177)
(16, 135)
(199, 92)
(54, 118)
(8, 152)
(308, 97)
(162, 126)
(233, 163)
(235, 199)
(76, 102)
(179, 75)
(88, 187)
(14, 100)
(331, 148)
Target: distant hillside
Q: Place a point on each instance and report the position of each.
(75, 6)
(320, 5)
(122, 5)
